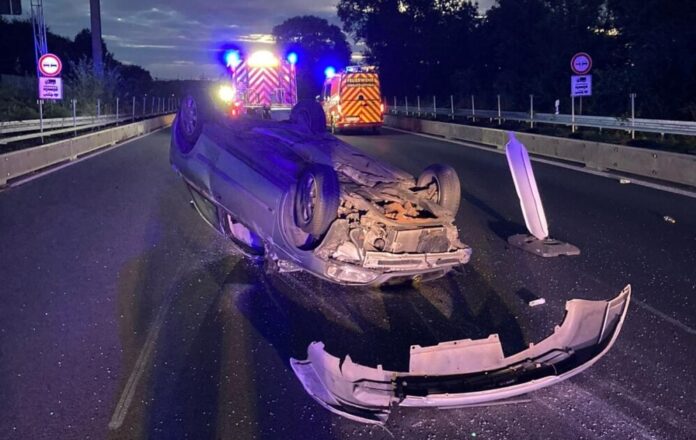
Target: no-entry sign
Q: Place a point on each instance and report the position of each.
(50, 65)
(581, 63)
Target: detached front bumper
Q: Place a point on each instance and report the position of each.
(464, 372)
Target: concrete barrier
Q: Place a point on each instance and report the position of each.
(670, 167)
(18, 163)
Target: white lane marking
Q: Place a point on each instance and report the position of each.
(664, 316)
(23, 180)
(139, 368)
(682, 192)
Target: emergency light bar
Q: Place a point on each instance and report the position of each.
(262, 58)
(361, 69)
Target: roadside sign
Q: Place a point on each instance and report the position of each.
(50, 65)
(50, 88)
(581, 63)
(581, 85)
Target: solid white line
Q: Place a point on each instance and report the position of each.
(657, 186)
(139, 368)
(23, 180)
(664, 316)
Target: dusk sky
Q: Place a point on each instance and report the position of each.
(177, 38)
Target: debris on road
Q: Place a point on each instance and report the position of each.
(537, 302)
(624, 181)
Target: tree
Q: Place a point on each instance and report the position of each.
(658, 38)
(318, 44)
(417, 44)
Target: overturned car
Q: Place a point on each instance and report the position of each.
(288, 192)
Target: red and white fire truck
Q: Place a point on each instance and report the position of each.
(263, 80)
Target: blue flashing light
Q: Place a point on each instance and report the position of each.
(330, 72)
(292, 58)
(232, 58)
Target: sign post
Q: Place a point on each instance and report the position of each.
(581, 82)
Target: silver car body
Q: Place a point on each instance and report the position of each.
(249, 167)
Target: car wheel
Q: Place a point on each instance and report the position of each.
(448, 191)
(193, 113)
(309, 115)
(316, 199)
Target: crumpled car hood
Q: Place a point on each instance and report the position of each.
(464, 372)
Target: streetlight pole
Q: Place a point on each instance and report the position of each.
(95, 22)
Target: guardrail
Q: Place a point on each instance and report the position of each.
(684, 128)
(8, 127)
(666, 166)
(19, 163)
(56, 126)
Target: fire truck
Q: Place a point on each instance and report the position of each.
(352, 98)
(263, 80)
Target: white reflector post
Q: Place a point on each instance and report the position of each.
(527, 191)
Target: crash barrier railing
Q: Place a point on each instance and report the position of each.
(10, 127)
(19, 163)
(57, 126)
(670, 167)
(630, 125)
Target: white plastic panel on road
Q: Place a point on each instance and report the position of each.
(527, 191)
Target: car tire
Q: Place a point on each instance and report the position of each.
(309, 115)
(448, 189)
(316, 201)
(194, 112)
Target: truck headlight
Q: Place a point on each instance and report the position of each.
(226, 94)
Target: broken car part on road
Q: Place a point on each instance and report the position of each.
(465, 372)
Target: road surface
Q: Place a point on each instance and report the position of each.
(122, 315)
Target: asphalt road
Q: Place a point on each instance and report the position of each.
(122, 315)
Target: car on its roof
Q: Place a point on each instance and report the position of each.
(287, 192)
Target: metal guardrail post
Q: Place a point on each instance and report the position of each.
(144, 97)
(452, 107)
(395, 109)
(531, 111)
(133, 110)
(98, 108)
(418, 103)
(116, 110)
(572, 114)
(434, 108)
(74, 116)
(152, 107)
(633, 115)
(500, 119)
(473, 109)
(406, 102)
